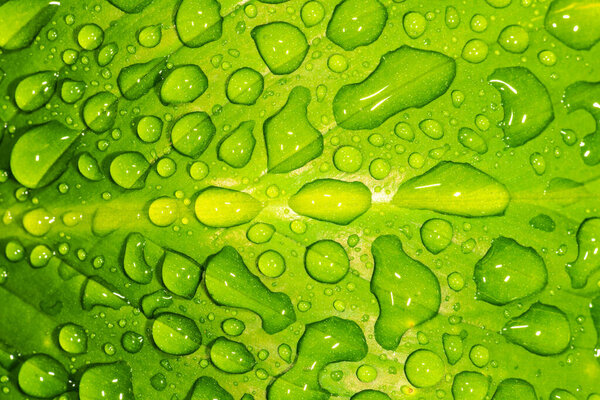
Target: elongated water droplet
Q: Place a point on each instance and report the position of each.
(454, 188)
(106, 381)
(192, 133)
(395, 85)
(42, 376)
(137, 79)
(221, 208)
(184, 84)
(332, 200)
(236, 148)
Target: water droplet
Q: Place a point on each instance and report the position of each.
(231, 357)
(588, 256)
(90, 37)
(220, 207)
(424, 368)
(128, 170)
(453, 347)
(35, 91)
(38, 221)
(514, 39)
(183, 85)
(199, 22)
(513, 388)
(42, 376)
(100, 111)
(356, 23)
(106, 381)
(543, 330)
(180, 274)
(132, 342)
(526, 102)
(192, 133)
(236, 148)
(163, 211)
(475, 51)
(326, 261)
(136, 80)
(347, 159)
(244, 86)
(206, 387)
(436, 235)
(508, 272)
(233, 326)
(282, 46)
(230, 283)
(407, 291)
(393, 86)
(150, 36)
(574, 22)
(106, 54)
(149, 128)
(271, 264)
(176, 334)
(472, 140)
(332, 200)
(454, 188)
(323, 342)
(72, 91)
(469, 385)
(42, 154)
(260, 233)
(312, 13)
(414, 24)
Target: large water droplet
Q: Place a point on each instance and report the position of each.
(106, 381)
(128, 170)
(180, 274)
(356, 23)
(469, 385)
(407, 291)
(236, 148)
(543, 330)
(424, 368)
(42, 376)
(574, 22)
(206, 387)
(230, 283)
(176, 334)
(509, 272)
(513, 388)
(221, 208)
(183, 85)
(244, 86)
(73, 339)
(231, 357)
(22, 20)
(35, 91)
(100, 111)
(526, 102)
(454, 188)
(332, 200)
(326, 261)
(324, 342)
(199, 22)
(282, 46)
(41, 154)
(192, 133)
(395, 85)
(137, 79)
(290, 138)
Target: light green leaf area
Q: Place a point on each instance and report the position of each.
(165, 166)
